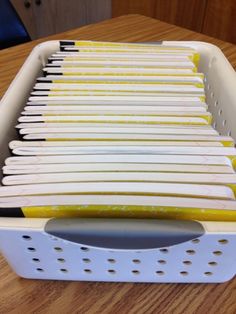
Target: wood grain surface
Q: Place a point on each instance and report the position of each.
(31, 296)
(189, 14)
(220, 19)
(211, 17)
(144, 7)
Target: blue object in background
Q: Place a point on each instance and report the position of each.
(12, 30)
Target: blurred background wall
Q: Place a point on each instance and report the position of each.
(212, 17)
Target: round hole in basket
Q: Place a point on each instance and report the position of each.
(223, 241)
(40, 269)
(161, 261)
(187, 262)
(64, 270)
(208, 273)
(165, 251)
(86, 260)
(26, 237)
(212, 95)
(220, 112)
(223, 122)
(212, 264)
(216, 103)
(184, 273)
(61, 260)
(88, 271)
(218, 253)
(36, 260)
(112, 271)
(136, 272)
(136, 261)
(58, 249)
(111, 260)
(31, 249)
(84, 248)
(195, 241)
(160, 273)
(190, 252)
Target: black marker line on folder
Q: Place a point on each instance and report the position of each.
(31, 115)
(67, 42)
(48, 72)
(31, 122)
(31, 140)
(38, 104)
(32, 95)
(71, 50)
(41, 89)
(43, 81)
(50, 60)
(11, 212)
(50, 65)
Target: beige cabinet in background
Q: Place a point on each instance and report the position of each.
(46, 17)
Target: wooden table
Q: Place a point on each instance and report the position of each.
(31, 296)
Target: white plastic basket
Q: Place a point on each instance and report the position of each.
(121, 250)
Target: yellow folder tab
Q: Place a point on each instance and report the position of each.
(137, 211)
(127, 206)
(129, 45)
(162, 81)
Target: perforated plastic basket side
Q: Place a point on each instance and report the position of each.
(34, 252)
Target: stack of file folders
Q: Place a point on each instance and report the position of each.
(119, 130)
